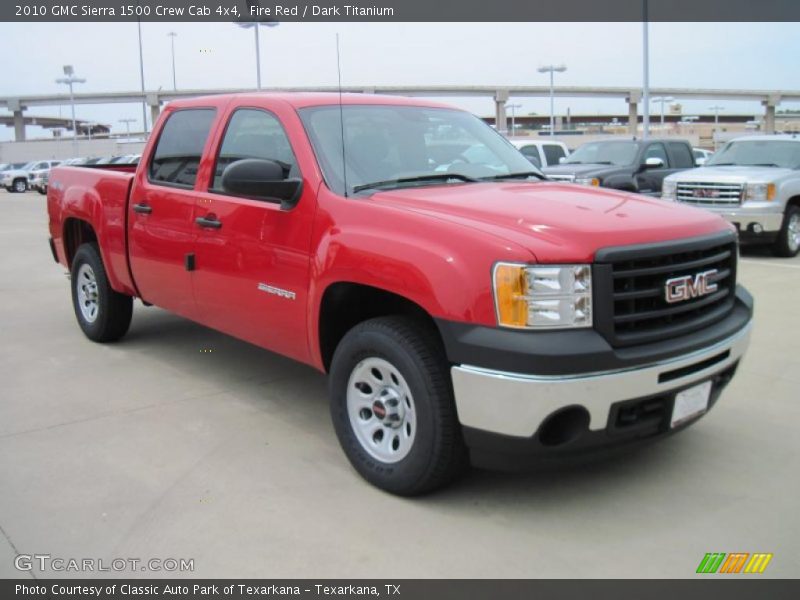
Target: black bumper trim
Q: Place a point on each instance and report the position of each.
(576, 352)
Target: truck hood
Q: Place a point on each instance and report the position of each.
(14, 173)
(732, 174)
(557, 222)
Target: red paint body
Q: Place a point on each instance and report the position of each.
(433, 245)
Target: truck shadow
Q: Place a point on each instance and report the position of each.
(297, 394)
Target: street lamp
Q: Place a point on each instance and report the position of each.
(254, 25)
(716, 108)
(552, 69)
(662, 99)
(69, 80)
(127, 126)
(513, 108)
(172, 35)
(141, 75)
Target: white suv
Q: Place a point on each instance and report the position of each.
(541, 153)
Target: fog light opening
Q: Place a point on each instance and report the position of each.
(756, 227)
(564, 426)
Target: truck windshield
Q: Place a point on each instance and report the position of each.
(762, 153)
(389, 146)
(604, 153)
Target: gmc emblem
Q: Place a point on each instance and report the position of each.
(705, 193)
(687, 287)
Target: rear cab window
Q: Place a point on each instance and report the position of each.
(179, 148)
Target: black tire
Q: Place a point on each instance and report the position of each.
(113, 310)
(19, 186)
(787, 245)
(42, 191)
(437, 454)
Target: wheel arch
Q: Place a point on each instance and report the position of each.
(346, 304)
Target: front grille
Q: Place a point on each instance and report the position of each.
(631, 289)
(710, 195)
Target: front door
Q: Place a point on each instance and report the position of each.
(252, 258)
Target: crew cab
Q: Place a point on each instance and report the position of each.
(464, 308)
(753, 182)
(629, 165)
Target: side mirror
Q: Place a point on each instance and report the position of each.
(699, 162)
(261, 180)
(562, 160)
(653, 163)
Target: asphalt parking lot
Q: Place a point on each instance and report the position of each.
(180, 442)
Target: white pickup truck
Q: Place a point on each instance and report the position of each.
(754, 183)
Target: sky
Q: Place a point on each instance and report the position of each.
(222, 55)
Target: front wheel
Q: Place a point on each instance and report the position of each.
(392, 407)
(103, 314)
(20, 186)
(788, 242)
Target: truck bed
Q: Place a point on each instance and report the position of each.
(96, 195)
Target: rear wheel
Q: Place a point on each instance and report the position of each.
(392, 407)
(103, 314)
(788, 242)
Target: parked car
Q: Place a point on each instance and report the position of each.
(701, 156)
(541, 153)
(11, 166)
(37, 178)
(629, 165)
(18, 180)
(480, 313)
(753, 182)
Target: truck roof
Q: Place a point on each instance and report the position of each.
(307, 99)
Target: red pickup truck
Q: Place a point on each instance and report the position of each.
(465, 308)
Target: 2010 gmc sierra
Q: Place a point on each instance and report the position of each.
(464, 308)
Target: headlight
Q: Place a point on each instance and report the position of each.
(759, 192)
(669, 190)
(587, 181)
(543, 297)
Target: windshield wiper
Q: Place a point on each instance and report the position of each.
(520, 175)
(760, 165)
(721, 165)
(419, 178)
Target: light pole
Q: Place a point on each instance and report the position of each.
(662, 99)
(254, 25)
(69, 80)
(716, 108)
(646, 69)
(127, 126)
(513, 108)
(141, 77)
(172, 35)
(552, 69)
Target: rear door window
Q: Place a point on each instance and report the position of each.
(553, 153)
(180, 147)
(681, 155)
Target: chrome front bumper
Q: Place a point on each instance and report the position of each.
(745, 220)
(516, 405)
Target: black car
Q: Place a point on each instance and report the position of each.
(629, 165)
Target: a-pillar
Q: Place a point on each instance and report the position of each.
(500, 119)
(633, 100)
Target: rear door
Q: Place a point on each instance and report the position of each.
(161, 211)
(252, 258)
